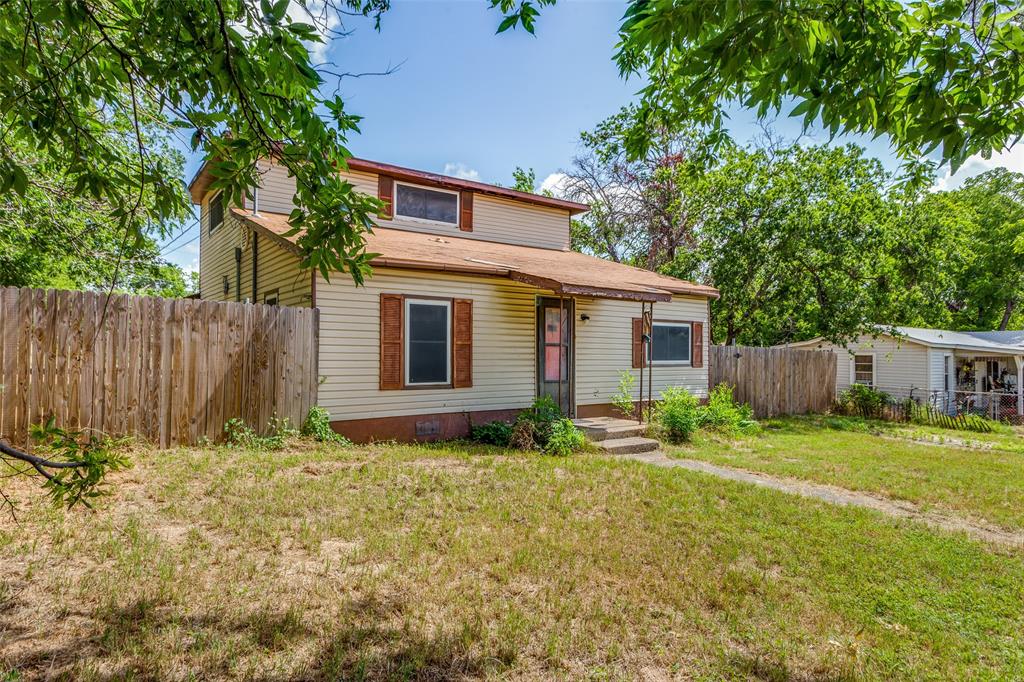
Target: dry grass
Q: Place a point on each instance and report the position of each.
(450, 563)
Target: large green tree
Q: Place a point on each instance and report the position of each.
(989, 263)
(944, 74)
(51, 236)
(235, 76)
(801, 241)
(90, 89)
(808, 241)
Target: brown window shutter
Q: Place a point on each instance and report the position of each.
(697, 345)
(638, 342)
(386, 193)
(391, 329)
(466, 211)
(462, 344)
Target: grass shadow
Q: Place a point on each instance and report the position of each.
(148, 640)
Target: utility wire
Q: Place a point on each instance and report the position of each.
(163, 249)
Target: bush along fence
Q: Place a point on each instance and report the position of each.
(172, 371)
(966, 411)
(775, 381)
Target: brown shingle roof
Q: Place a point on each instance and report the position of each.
(566, 272)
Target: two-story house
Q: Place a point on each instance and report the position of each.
(476, 304)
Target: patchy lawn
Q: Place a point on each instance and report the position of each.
(983, 481)
(450, 562)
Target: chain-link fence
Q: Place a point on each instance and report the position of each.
(969, 410)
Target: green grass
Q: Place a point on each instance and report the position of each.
(984, 482)
(454, 562)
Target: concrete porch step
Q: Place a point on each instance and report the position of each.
(617, 436)
(628, 446)
(603, 428)
(626, 430)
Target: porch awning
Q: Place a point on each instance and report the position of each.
(563, 272)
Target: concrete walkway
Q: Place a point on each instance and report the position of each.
(840, 496)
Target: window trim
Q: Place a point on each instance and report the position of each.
(395, 214)
(874, 369)
(446, 303)
(217, 196)
(275, 293)
(688, 362)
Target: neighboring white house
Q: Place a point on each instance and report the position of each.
(961, 370)
(476, 306)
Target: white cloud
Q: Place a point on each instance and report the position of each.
(326, 21)
(554, 183)
(1011, 159)
(461, 171)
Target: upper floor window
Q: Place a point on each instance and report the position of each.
(670, 342)
(432, 205)
(216, 210)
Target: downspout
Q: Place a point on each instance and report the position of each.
(238, 274)
(255, 256)
(650, 369)
(255, 240)
(643, 360)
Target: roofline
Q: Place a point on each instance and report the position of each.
(1001, 349)
(201, 180)
(659, 295)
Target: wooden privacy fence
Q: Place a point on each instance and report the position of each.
(775, 381)
(172, 371)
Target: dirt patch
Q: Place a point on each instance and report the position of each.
(444, 464)
(844, 497)
(943, 442)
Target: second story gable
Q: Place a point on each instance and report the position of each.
(438, 204)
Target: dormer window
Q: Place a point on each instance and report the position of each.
(437, 206)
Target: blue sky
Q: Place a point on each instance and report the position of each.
(467, 102)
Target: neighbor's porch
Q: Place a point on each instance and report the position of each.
(989, 385)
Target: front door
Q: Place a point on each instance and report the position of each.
(555, 362)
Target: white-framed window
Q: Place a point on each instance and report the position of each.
(864, 369)
(428, 342)
(426, 204)
(216, 205)
(670, 343)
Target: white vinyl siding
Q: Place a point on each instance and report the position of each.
(899, 363)
(276, 267)
(277, 190)
(604, 348)
(504, 345)
(217, 254)
(936, 368)
(494, 219)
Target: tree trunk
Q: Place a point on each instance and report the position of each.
(1007, 312)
